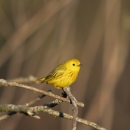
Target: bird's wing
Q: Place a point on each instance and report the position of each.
(56, 73)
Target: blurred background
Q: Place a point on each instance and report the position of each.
(38, 35)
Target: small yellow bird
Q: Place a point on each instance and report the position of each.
(63, 75)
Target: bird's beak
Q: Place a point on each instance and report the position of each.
(80, 65)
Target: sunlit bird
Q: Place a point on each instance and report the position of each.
(63, 75)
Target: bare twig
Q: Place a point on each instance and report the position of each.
(51, 104)
(28, 79)
(35, 100)
(31, 88)
(56, 101)
(31, 110)
(74, 108)
(27, 104)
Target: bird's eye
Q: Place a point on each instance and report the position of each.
(73, 64)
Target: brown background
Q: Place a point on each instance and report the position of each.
(37, 35)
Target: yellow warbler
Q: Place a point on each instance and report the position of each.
(63, 75)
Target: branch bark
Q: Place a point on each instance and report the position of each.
(27, 104)
(32, 110)
(50, 105)
(74, 106)
(31, 88)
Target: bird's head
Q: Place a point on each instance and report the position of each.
(73, 64)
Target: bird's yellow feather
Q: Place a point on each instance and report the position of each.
(63, 75)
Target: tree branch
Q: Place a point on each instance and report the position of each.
(74, 108)
(51, 104)
(31, 110)
(27, 104)
(28, 79)
(31, 88)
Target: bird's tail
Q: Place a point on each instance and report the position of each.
(40, 80)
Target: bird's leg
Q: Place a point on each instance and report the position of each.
(63, 93)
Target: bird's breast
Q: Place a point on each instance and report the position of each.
(64, 80)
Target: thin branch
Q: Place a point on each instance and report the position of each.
(55, 102)
(28, 79)
(74, 108)
(31, 110)
(27, 104)
(31, 88)
(35, 100)
(51, 104)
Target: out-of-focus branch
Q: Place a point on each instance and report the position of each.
(32, 25)
(31, 110)
(74, 108)
(31, 88)
(28, 79)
